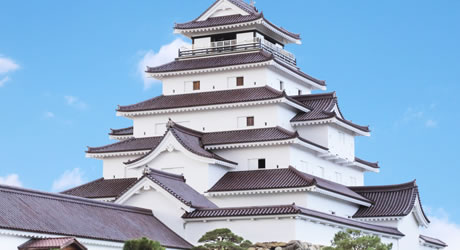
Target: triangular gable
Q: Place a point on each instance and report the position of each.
(190, 147)
(226, 8)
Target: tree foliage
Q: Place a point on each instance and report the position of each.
(355, 240)
(222, 239)
(142, 244)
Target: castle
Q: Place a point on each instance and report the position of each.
(236, 140)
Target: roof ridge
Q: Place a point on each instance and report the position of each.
(166, 174)
(385, 188)
(73, 199)
(317, 96)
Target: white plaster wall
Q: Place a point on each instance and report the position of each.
(315, 133)
(341, 142)
(260, 230)
(275, 156)
(214, 81)
(299, 198)
(199, 175)
(309, 162)
(214, 120)
(253, 77)
(114, 166)
(327, 204)
(410, 228)
(164, 208)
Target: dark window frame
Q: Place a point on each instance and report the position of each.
(261, 163)
(196, 85)
(240, 81)
(250, 121)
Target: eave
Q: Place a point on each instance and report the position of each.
(333, 120)
(116, 154)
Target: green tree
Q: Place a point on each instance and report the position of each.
(355, 240)
(142, 244)
(222, 239)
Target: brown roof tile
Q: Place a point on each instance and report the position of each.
(51, 243)
(122, 131)
(204, 99)
(432, 240)
(40, 212)
(389, 200)
(177, 186)
(286, 210)
(321, 106)
(227, 60)
(133, 144)
(368, 163)
(101, 188)
(278, 179)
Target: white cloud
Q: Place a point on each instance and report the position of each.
(49, 115)
(431, 123)
(4, 80)
(166, 54)
(68, 179)
(75, 102)
(444, 229)
(11, 180)
(7, 65)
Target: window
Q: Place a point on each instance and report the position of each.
(240, 81)
(261, 164)
(299, 92)
(281, 85)
(250, 121)
(196, 85)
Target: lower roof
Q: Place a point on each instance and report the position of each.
(286, 210)
(433, 241)
(52, 243)
(101, 188)
(389, 200)
(63, 215)
(281, 178)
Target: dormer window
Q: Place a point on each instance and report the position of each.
(196, 85)
(240, 81)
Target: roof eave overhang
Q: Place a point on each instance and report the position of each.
(314, 85)
(259, 191)
(431, 245)
(419, 214)
(189, 32)
(332, 120)
(364, 166)
(295, 216)
(116, 154)
(343, 197)
(120, 137)
(199, 108)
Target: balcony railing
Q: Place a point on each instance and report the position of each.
(232, 46)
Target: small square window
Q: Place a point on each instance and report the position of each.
(240, 81)
(261, 163)
(299, 92)
(281, 85)
(250, 121)
(196, 85)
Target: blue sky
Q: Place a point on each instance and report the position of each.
(394, 64)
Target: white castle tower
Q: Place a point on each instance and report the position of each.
(238, 140)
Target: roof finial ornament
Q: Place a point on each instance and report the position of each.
(253, 3)
(170, 123)
(146, 170)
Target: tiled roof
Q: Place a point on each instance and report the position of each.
(227, 60)
(190, 140)
(208, 139)
(433, 241)
(321, 107)
(40, 212)
(101, 188)
(247, 135)
(205, 99)
(240, 3)
(177, 186)
(133, 144)
(278, 179)
(389, 201)
(368, 163)
(122, 131)
(51, 243)
(286, 210)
